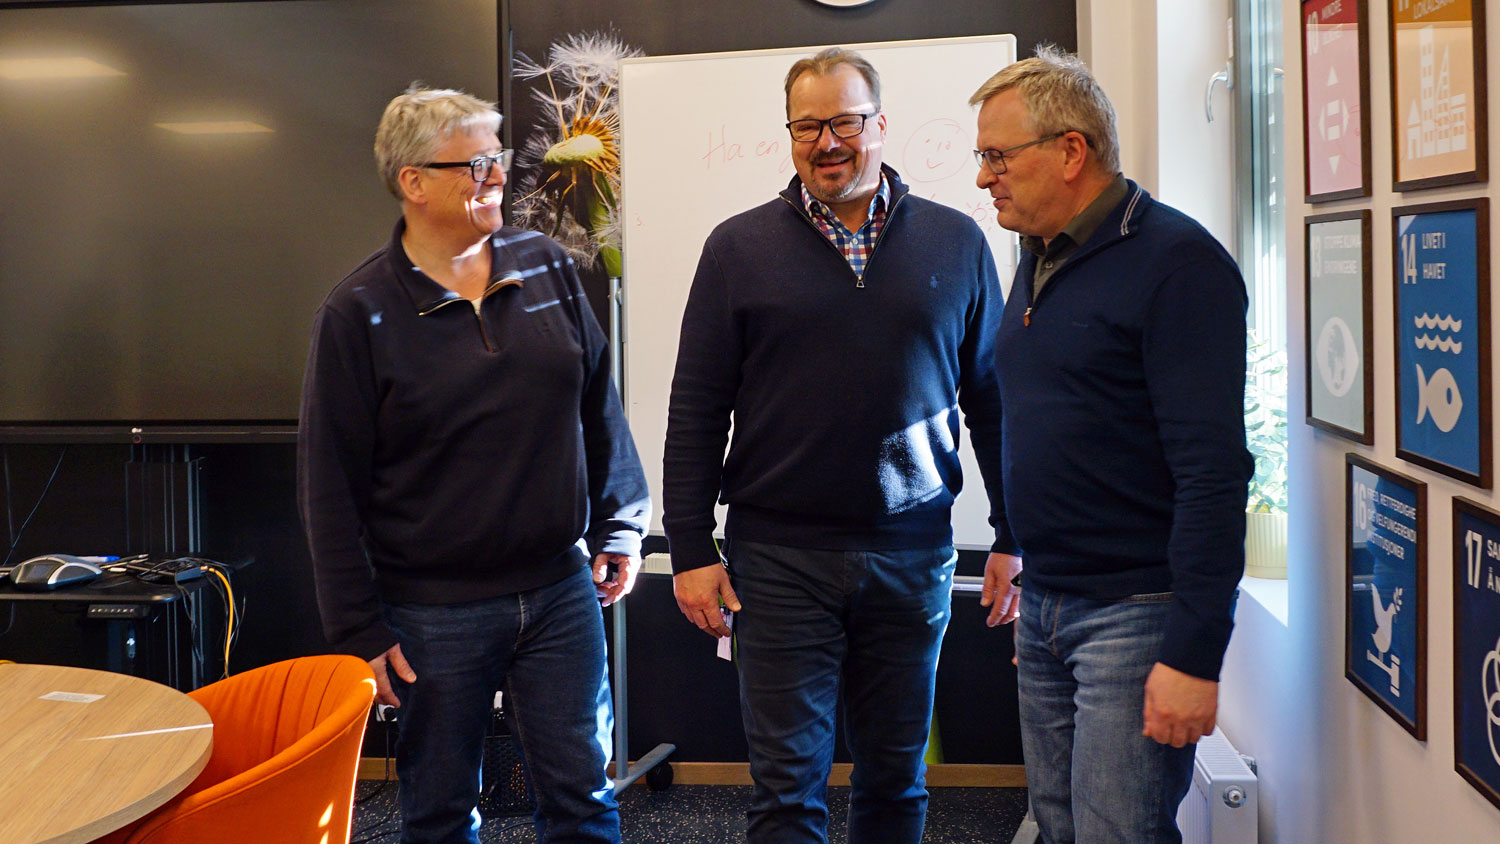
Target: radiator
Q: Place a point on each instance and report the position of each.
(1221, 805)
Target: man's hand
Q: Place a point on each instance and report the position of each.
(617, 587)
(394, 661)
(699, 592)
(1179, 707)
(1003, 599)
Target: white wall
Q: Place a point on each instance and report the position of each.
(1195, 173)
(1118, 40)
(1334, 769)
(1156, 74)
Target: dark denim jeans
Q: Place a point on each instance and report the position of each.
(811, 620)
(545, 649)
(1082, 668)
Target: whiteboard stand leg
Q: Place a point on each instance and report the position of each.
(1028, 832)
(626, 773)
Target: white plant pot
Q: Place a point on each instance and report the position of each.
(1265, 545)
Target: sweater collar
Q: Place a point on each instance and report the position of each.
(1122, 221)
(427, 295)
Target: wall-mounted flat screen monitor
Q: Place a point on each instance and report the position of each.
(185, 182)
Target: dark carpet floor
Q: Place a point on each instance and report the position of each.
(715, 814)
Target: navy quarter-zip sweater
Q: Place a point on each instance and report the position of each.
(843, 397)
(1125, 459)
(448, 454)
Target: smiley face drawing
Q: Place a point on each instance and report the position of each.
(935, 151)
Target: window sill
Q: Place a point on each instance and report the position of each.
(1270, 594)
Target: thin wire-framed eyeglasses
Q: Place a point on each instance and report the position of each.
(995, 158)
(480, 165)
(841, 125)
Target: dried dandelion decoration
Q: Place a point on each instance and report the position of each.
(572, 189)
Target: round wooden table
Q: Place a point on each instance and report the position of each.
(84, 753)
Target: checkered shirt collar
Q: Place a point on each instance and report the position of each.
(816, 208)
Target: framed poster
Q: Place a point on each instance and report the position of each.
(1442, 296)
(1438, 106)
(1340, 365)
(1335, 97)
(1385, 564)
(1476, 646)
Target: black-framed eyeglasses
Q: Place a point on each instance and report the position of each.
(480, 165)
(995, 158)
(841, 125)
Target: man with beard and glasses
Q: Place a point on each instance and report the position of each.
(841, 325)
(469, 487)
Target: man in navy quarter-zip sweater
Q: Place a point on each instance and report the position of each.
(463, 465)
(842, 325)
(1121, 357)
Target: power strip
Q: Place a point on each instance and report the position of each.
(161, 571)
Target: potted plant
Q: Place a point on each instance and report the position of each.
(1265, 436)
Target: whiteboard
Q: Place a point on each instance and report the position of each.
(703, 138)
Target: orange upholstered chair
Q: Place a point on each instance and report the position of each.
(286, 748)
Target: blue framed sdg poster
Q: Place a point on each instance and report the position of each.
(1442, 345)
(1385, 554)
(1476, 646)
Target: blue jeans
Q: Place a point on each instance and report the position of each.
(811, 620)
(1082, 668)
(545, 648)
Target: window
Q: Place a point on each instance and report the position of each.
(1261, 245)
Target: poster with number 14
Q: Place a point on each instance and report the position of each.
(1442, 345)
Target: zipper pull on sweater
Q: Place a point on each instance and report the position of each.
(1026, 318)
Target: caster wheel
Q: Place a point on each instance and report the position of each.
(659, 778)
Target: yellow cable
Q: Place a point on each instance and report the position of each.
(229, 599)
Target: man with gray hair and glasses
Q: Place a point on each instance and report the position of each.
(468, 485)
(1121, 357)
(842, 324)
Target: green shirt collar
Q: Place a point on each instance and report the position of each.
(1082, 227)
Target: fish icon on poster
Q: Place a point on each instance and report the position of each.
(1438, 397)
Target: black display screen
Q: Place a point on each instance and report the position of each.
(185, 182)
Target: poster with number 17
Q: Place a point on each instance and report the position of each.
(1442, 337)
(1476, 646)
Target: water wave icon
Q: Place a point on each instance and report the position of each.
(1441, 323)
(1442, 344)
